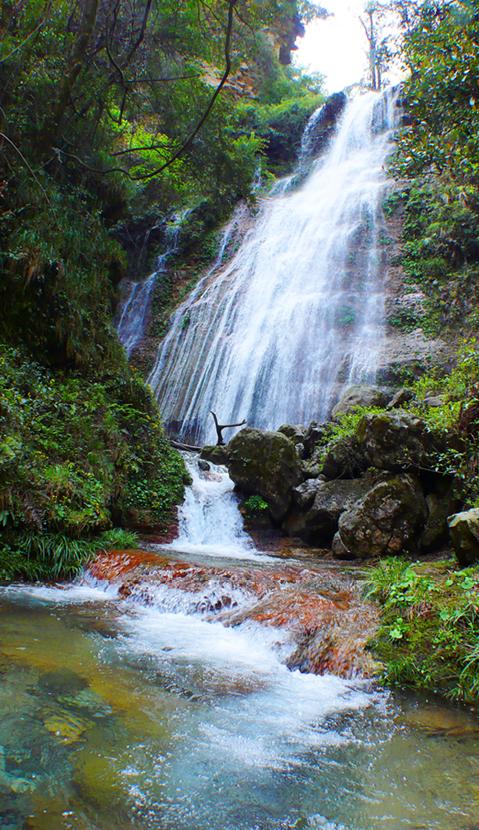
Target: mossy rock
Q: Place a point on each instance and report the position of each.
(387, 521)
(216, 454)
(464, 530)
(359, 395)
(318, 523)
(395, 441)
(265, 464)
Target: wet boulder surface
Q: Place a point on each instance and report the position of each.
(266, 464)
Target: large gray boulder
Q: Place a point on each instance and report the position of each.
(464, 531)
(387, 521)
(344, 459)
(319, 505)
(394, 441)
(359, 395)
(265, 464)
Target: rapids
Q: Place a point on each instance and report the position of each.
(171, 702)
(298, 310)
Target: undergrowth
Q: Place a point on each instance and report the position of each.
(78, 456)
(36, 556)
(429, 633)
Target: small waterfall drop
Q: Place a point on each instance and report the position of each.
(210, 522)
(134, 314)
(297, 312)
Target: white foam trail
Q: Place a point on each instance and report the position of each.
(210, 522)
(279, 713)
(68, 594)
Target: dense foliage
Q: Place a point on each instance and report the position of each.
(112, 117)
(428, 633)
(77, 456)
(438, 159)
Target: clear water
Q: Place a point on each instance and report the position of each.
(115, 715)
(298, 310)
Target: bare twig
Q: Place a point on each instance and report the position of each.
(33, 32)
(17, 150)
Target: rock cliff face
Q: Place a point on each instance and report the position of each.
(407, 348)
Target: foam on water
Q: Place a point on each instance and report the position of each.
(210, 522)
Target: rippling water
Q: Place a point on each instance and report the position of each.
(115, 715)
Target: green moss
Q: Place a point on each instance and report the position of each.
(77, 456)
(344, 428)
(429, 633)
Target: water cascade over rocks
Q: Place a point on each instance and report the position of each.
(134, 313)
(297, 312)
(210, 522)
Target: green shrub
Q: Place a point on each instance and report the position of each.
(255, 506)
(77, 456)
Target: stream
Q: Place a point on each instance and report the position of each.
(166, 695)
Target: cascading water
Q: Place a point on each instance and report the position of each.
(210, 522)
(134, 314)
(298, 311)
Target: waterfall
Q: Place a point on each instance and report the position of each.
(134, 314)
(297, 312)
(210, 522)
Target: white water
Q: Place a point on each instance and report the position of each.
(298, 311)
(210, 522)
(134, 314)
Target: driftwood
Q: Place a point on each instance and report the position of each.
(221, 427)
(179, 446)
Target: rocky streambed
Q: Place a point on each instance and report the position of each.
(319, 609)
(178, 690)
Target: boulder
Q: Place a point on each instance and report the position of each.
(356, 396)
(319, 507)
(266, 464)
(464, 531)
(313, 436)
(394, 441)
(399, 398)
(439, 508)
(304, 493)
(344, 459)
(204, 465)
(387, 521)
(435, 401)
(216, 454)
(295, 432)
